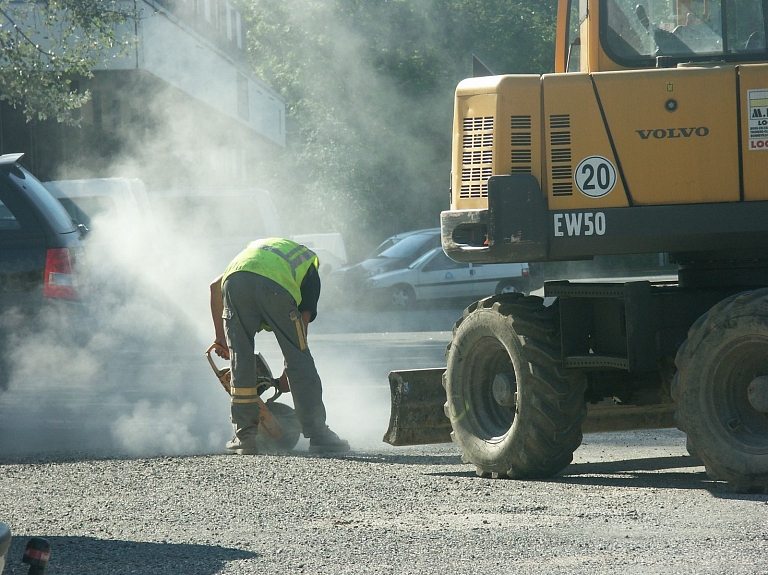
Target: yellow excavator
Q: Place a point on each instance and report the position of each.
(651, 136)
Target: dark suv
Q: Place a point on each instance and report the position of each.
(5, 543)
(40, 247)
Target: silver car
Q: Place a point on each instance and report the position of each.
(434, 276)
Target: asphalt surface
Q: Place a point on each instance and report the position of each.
(630, 503)
(126, 475)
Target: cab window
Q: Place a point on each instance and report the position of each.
(576, 13)
(746, 28)
(636, 32)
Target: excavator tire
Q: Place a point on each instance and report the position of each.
(286, 416)
(513, 409)
(726, 350)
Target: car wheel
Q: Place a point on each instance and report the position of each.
(506, 286)
(402, 297)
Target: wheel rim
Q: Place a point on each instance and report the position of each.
(492, 411)
(739, 365)
(401, 298)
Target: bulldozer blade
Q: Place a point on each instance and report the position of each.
(417, 415)
(628, 417)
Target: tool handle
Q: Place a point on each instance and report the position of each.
(217, 371)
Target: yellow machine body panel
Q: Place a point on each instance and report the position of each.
(651, 136)
(675, 132)
(575, 132)
(496, 130)
(753, 82)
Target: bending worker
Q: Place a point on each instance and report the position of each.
(273, 284)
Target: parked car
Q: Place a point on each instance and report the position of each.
(40, 244)
(88, 199)
(400, 251)
(40, 252)
(434, 276)
(329, 247)
(5, 543)
(219, 221)
(392, 240)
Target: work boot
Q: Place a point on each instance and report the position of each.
(245, 446)
(327, 442)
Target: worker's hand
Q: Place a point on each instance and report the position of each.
(284, 386)
(221, 349)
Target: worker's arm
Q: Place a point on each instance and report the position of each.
(217, 309)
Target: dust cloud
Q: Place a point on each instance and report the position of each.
(126, 374)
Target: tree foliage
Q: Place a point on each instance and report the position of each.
(44, 44)
(369, 91)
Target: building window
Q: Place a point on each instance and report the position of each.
(239, 28)
(229, 22)
(117, 115)
(243, 106)
(96, 106)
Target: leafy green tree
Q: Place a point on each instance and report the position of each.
(45, 44)
(369, 90)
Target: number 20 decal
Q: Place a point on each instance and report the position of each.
(595, 176)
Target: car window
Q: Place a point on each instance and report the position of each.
(86, 208)
(8, 221)
(443, 262)
(75, 212)
(386, 244)
(53, 211)
(411, 246)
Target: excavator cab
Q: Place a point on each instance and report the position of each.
(658, 33)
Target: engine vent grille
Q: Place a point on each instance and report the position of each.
(521, 140)
(477, 156)
(560, 154)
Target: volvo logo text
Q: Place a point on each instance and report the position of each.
(671, 133)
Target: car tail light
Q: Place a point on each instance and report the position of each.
(60, 278)
(525, 271)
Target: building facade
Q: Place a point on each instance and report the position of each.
(180, 108)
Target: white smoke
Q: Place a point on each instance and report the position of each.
(132, 379)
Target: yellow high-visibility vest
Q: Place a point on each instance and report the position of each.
(283, 261)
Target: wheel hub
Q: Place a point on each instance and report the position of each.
(504, 390)
(757, 392)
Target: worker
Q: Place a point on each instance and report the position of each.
(273, 284)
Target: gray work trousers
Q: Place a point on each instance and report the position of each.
(251, 300)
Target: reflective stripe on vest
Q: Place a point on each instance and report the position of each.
(294, 260)
(287, 263)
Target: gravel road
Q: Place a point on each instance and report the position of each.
(172, 504)
(630, 503)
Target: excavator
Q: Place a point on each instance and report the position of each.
(651, 137)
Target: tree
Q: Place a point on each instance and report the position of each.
(45, 44)
(369, 90)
